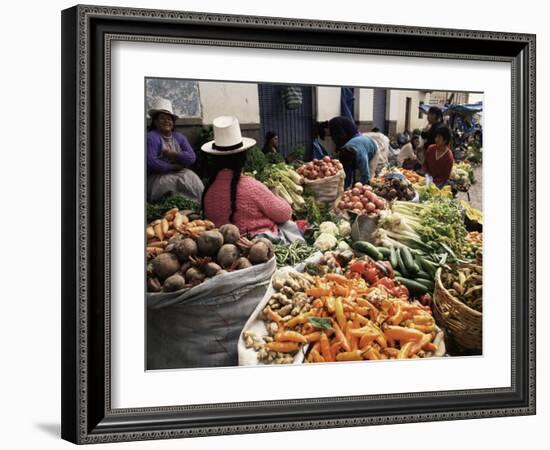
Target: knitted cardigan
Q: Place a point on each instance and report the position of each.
(257, 210)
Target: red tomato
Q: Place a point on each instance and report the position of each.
(386, 283)
(371, 274)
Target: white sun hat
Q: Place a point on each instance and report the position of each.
(227, 137)
(162, 105)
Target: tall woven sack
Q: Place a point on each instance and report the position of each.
(327, 190)
(200, 326)
(463, 323)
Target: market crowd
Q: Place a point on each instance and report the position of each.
(229, 196)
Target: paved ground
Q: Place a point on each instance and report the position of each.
(476, 190)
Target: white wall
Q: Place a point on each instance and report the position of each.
(30, 320)
(328, 102)
(365, 104)
(400, 102)
(235, 99)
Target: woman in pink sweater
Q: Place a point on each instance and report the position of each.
(231, 197)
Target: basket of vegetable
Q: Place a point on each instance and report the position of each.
(396, 187)
(457, 304)
(324, 177)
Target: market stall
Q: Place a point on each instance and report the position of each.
(386, 270)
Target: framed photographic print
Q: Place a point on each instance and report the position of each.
(267, 222)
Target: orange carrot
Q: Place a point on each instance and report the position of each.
(316, 356)
(341, 337)
(397, 333)
(313, 337)
(356, 355)
(290, 336)
(341, 279)
(405, 351)
(283, 347)
(371, 353)
(325, 347)
(318, 292)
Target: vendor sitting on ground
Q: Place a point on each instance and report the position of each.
(230, 196)
(318, 150)
(438, 160)
(407, 157)
(168, 155)
(356, 151)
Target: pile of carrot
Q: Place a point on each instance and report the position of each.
(351, 321)
(173, 223)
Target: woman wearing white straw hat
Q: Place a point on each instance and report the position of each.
(231, 197)
(168, 156)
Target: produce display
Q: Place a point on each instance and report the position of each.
(435, 226)
(337, 296)
(288, 304)
(341, 318)
(292, 254)
(410, 175)
(320, 168)
(465, 283)
(361, 200)
(395, 186)
(285, 182)
(184, 253)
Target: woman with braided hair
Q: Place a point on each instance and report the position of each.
(231, 197)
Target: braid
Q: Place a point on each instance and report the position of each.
(234, 162)
(234, 184)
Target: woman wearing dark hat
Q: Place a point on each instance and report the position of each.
(168, 155)
(435, 120)
(356, 151)
(230, 196)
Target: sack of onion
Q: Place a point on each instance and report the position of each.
(324, 178)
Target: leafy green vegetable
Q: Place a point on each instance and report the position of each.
(256, 161)
(156, 210)
(274, 158)
(442, 222)
(320, 322)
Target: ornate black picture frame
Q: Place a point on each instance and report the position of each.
(87, 35)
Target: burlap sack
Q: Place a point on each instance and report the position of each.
(327, 190)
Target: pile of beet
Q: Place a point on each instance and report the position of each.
(191, 259)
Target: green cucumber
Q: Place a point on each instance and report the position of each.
(384, 251)
(408, 260)
(396, 273)
(422, 274)
(426, 282)
(413, 286)
(427, 266)
(368, 248)
(393, 257)
(400, 266)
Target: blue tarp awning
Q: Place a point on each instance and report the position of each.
(464, 109)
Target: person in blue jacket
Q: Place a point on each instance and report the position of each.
(318, 150)
(358, 153)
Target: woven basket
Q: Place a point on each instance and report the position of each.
(463, 322)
